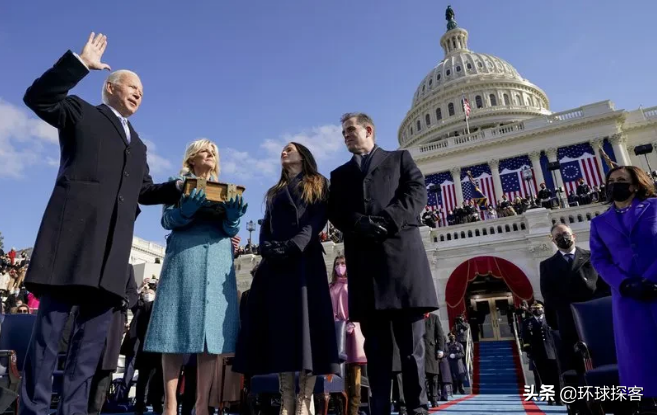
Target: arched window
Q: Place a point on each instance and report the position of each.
(419, 126)
(493, 100)
(519, 100)
(469, 66)
(506, 99)
(458, 68)
(427, 119)
(479, 102)
(450, 109)
(439, 114)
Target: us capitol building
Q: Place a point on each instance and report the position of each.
(489, 264)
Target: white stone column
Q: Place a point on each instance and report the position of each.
(552, 157)
(620, 150)
(458, 189)
(535, 158)
(636, 160)
(497, 182)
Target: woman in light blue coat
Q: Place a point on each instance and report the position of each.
(196, 307)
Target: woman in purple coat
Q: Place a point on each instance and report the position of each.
(623, 251)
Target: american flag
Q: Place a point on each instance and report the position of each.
(466, 107)
(484, 179)
(577, 162)
(446, 199)
(513, 184)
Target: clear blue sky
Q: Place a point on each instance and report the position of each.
(250, 75)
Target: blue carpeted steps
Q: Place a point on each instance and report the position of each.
(497, 368)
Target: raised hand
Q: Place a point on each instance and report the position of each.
(93, 51)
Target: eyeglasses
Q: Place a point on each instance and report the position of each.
(22, 311)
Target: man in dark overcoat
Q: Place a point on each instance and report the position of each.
(568, 277)
(375, 201)
(84, 241)
(435, 365)
(539, 345)
(109, 359)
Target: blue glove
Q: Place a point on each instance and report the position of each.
(235, 209)
(189, 205)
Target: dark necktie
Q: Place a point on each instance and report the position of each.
(569, 258)
(364, 162)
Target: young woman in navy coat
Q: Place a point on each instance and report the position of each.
(289, 325)
(623, 243)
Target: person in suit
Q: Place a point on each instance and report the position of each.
(83, 244)
(289, 325)
(544, 196)
(109, 360)
(623, 241)
(539, 345)
(435, 366)
(375, 201)
(568, 277)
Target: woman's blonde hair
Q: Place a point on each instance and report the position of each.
(193, 149)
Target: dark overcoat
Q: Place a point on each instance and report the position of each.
(393, 274)
(537, 337)
(564, 283)
(620, 248)
(289, 323)
(434, 341)
(111, 353)
(85, 237)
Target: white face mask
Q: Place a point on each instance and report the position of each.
(149, 298)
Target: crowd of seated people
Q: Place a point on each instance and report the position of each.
(469, 211)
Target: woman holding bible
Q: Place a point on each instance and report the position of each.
(196, 309)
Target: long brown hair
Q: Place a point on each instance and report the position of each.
(334, 275)
(314, 186)
(640, 179)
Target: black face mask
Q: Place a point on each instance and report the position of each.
(564, 240)
(619, 191)
(538, 312)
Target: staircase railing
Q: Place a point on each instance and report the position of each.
(524, 361)
(469, 358)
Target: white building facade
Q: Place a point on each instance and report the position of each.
(146, 258)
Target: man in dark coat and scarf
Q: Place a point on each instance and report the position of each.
(375, 201)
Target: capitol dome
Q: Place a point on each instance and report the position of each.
(496, 92)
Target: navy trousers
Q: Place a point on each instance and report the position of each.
(380, 331)
(86, 344)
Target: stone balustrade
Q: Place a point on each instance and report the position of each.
(455, 142)
(650, 113)
(483, 231)
(519, 226)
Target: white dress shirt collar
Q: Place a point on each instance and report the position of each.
(571, 252)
